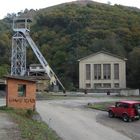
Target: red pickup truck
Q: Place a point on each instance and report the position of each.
(127, 110)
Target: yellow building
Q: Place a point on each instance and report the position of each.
(102, 70)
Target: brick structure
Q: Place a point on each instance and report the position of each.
(20, 92)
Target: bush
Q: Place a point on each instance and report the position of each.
(29, 113)
(5, 108)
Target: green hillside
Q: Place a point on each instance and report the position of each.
(70, 31)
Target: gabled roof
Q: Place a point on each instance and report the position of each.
(104, 52)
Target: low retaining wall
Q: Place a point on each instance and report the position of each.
(100, 90)
(129, 92)
(120, 92)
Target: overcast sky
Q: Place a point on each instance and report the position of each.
(14, 6)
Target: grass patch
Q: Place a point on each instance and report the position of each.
(101, 105)
(30, 129)
(104, 105)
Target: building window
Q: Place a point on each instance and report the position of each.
(33, 67)
(107, 85)
(97, 71)
(116, 71)
(106, 71)
(21, 90)
(88, 85)
(116, 85)
(98, 85)
(88, 72)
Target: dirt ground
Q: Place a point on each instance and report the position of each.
(8, 129)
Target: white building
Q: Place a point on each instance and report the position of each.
(102, 70)
(36, 69)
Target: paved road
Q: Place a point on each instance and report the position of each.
(129, 129)
(72, 121)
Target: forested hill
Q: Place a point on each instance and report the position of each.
(70, 31)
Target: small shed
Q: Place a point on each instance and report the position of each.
(20, 92)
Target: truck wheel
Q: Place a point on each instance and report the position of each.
(125, 118)
(110, 114)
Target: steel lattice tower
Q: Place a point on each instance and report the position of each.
(19, 45)
(20, 41)
(18, 59)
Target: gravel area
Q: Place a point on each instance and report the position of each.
(8, 129)
(130, 129)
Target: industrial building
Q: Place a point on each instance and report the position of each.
(102, 70)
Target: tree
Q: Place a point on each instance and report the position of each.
(4, 70)
(133, 69)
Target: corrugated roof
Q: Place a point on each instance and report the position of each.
(45, 77)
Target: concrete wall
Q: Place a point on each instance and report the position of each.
(129, 92)
(42, 85)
